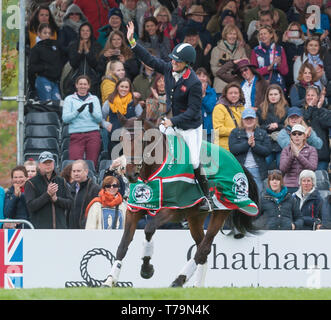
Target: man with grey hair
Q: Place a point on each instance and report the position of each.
(84, 189)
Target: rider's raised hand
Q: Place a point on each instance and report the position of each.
(130, 32)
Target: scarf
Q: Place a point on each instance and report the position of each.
(306, 84)
(128, 15)
(106, 199)
(231, 47)
(73, 24)
(278, 195)
(178, 75)
(120, 104)
(315, 60)
(296, 42)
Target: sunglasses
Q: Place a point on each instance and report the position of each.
(111, 186)
(297, 133)
(274, 171)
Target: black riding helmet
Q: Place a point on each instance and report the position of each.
(183, 52)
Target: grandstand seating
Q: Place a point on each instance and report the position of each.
(42, 131)
(42, 118)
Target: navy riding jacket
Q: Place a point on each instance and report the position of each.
(184, 97)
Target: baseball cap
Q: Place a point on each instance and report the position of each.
(44, 156)
(298, 128)
(248, 113)
(294, 111)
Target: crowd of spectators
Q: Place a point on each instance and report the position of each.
(265, 69)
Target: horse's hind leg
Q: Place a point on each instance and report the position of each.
(130, 226)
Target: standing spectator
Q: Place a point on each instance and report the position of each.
(293, 44)
(153, 38)
(82, 112)
(263, 5)
(96, 12)
(314, 54)
(114, 71)
(269, 57)
(83, 57)
(2, 203)
(47, 196)
(122, 101)
(227, 113)
(297, 157)
(41, 15)
(145, 9)
(209, 99)
(15, 204)
(306, 78)
(251, 82)
(251, 145)
(319, 118)
(295, 116)
(58, 9)
(272, 114)
(69, 31)
(31, 168)
(45, 66)
(309, 201)
(278, 207)
(83, 191)
(96, 211)
(116, 48)
(229, 48)
(115, 23)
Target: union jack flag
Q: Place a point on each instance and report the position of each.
(11, 259)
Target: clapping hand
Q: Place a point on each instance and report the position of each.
(251, 141)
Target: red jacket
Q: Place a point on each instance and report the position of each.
(96, 12)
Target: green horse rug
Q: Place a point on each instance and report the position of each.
(173, 185)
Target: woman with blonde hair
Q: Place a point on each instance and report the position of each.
(229, 48)
(272, 114)
(270, 57)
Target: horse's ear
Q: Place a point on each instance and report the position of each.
(121, 118)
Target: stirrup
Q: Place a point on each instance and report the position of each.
(207, 205)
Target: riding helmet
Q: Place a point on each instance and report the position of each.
(183, 52)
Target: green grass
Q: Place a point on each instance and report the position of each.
(167, 294)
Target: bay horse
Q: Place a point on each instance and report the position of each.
(138, 167)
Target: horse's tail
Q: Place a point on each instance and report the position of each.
(242, 222)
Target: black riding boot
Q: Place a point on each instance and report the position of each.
(207, 205)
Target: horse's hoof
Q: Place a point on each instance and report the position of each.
(109, 283)
(179, 282)
(147, 271)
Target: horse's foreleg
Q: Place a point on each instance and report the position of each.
(129, 230)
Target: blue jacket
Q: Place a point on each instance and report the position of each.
(184, 97)
(208, 105)
(15, 207)
(83, 121)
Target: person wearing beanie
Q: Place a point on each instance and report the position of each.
(309, 200)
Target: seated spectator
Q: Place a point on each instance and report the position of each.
(251, 145)
(47, 196)
(306, 78)
(82, 112)
(266, 18)
(41, 15)
(97, 213)
(269, 57)
(115, 23)
(2, 202)
(309, 201)
(15, 204)
(272, 114)
(229, 48)
(319, 118)
(163, 16)
(121, 100)
(66, 174)
(45, 66)
(202, 59)
(326, 213)
(209, 99)
(263, 5)
(227, 113)
(314, 55)
(153, 38)
(83, 58)
(252, 83)
(145, 9)
(117, 49)
(296, 157)
(83, 190)
(277, 207)
(293, 44)
(96, 12)
(31, 168)
(143, 82)
(69, 31)
(58, 9)
(114, 71)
